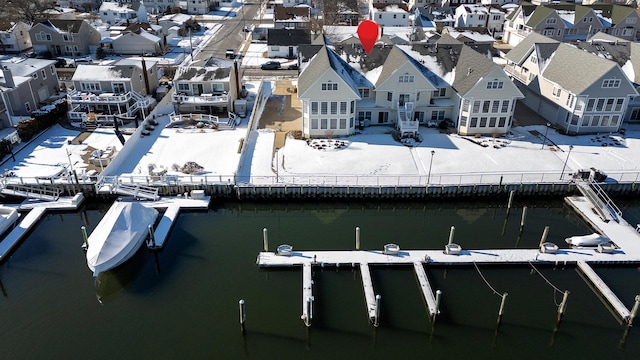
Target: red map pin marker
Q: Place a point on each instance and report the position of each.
(368, 32)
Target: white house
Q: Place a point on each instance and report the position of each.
(480, 16)
(391, 14)
(122, 12)
(160, 6)
(14, 37)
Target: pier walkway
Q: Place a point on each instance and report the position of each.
(36, 210)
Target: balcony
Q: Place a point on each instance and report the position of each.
(203, 99)
(87, 98)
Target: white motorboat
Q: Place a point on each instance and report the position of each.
(119, 235)
(284, 250)
(594, 239)
(8, 217)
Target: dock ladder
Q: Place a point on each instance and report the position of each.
(602, 203)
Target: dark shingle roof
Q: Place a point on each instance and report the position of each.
(287, 37)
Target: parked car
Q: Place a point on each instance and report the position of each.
(230, 53)
(293, 67)
(270, 65)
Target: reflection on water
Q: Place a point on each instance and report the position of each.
(182, 302)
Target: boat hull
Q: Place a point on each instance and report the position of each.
(8, 217)
(587, 240)
(119, 235)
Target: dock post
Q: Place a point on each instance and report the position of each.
(563, 305)
(376, 321)
(153, 238)
(357, 237)
(265, 240)
(243, 314)
(438, 296)
(501, 311)
(524, 216)
(511, 193)
(453, 229)
(634, 310)
(545, 232)
(85, 245)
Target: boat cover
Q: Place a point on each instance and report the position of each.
(119, 235)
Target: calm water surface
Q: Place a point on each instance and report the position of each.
(182, 302)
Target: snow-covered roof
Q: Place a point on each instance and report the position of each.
(102, 72)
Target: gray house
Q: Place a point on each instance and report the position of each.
(64, 37)
(24, 87)
(575, 90)
(205, 89)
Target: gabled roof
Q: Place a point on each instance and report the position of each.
(325, 59)
(103, 72)
(288, 37)
(574, 69)
(63, 26)
(522, 50)
(540, 13)
(391, 7)
(470, 68)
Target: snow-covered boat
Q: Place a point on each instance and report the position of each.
(587, 240)
(119, 235)
(8, 217)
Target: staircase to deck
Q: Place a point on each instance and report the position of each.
(602, 203)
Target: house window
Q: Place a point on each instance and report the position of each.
(595, 121)
(27, 107)
(34, 75)
(334, 108)
(463, 120)
(314, 123)
(556, 91)
(492, 121)
(275, 48)
(550, 21)
(533, 59)
(495, 105)
(600, 105)
(586, 120)
(183, 87)
(476, 106)
(619, 103)
(505, 106)
(42, 36)
(323, 108)
(609, 105)
(67, 37)
(440, 92)
(474, 122)
(364, 92)
(614, 120)
(485, 106)
(590, 104)
(501, 121)
(406, 78)
(389, 96)
(364, 115)
(343, 124)
(495, 84)
(333, 124)
(630, 20)
(314, 108)
(611, 83)
(329, 86)
(52, 69)
(44, 74)
(323, 124)
(343, 107)
(483, 122)
(217, 88)
(118, 88)
(465, 105)
(437, 115)
(548, 32)
(90, 86)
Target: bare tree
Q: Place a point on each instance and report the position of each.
(29, 11)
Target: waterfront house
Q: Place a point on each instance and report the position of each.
(174, 23)
(434, 17)
(568, 22)
(101, 92)
(122, 12)
(205, 89)
(14, 37)
(576, 91)
(490, 18)
(25, 86)
(283, 43)
(64, 37)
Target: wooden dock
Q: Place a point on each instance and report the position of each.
(625, 238)
(35, 211)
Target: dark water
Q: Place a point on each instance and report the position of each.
(182, 302)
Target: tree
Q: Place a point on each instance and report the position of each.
(29, 11)
(100, 53)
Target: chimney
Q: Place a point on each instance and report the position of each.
(8, 77)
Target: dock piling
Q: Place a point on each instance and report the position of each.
(501, 311)
(376, 321)
(545, 232)
(563, 305)
(243, 314)
(451, 231)
(265, 240)
(511, 193)
(153, 239)
(307, 319)
(357, 237)
(85, 239)
(524, 216)
(634, 310)
(435, 314)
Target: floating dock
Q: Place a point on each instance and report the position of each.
(35, 211)
(625, 238)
